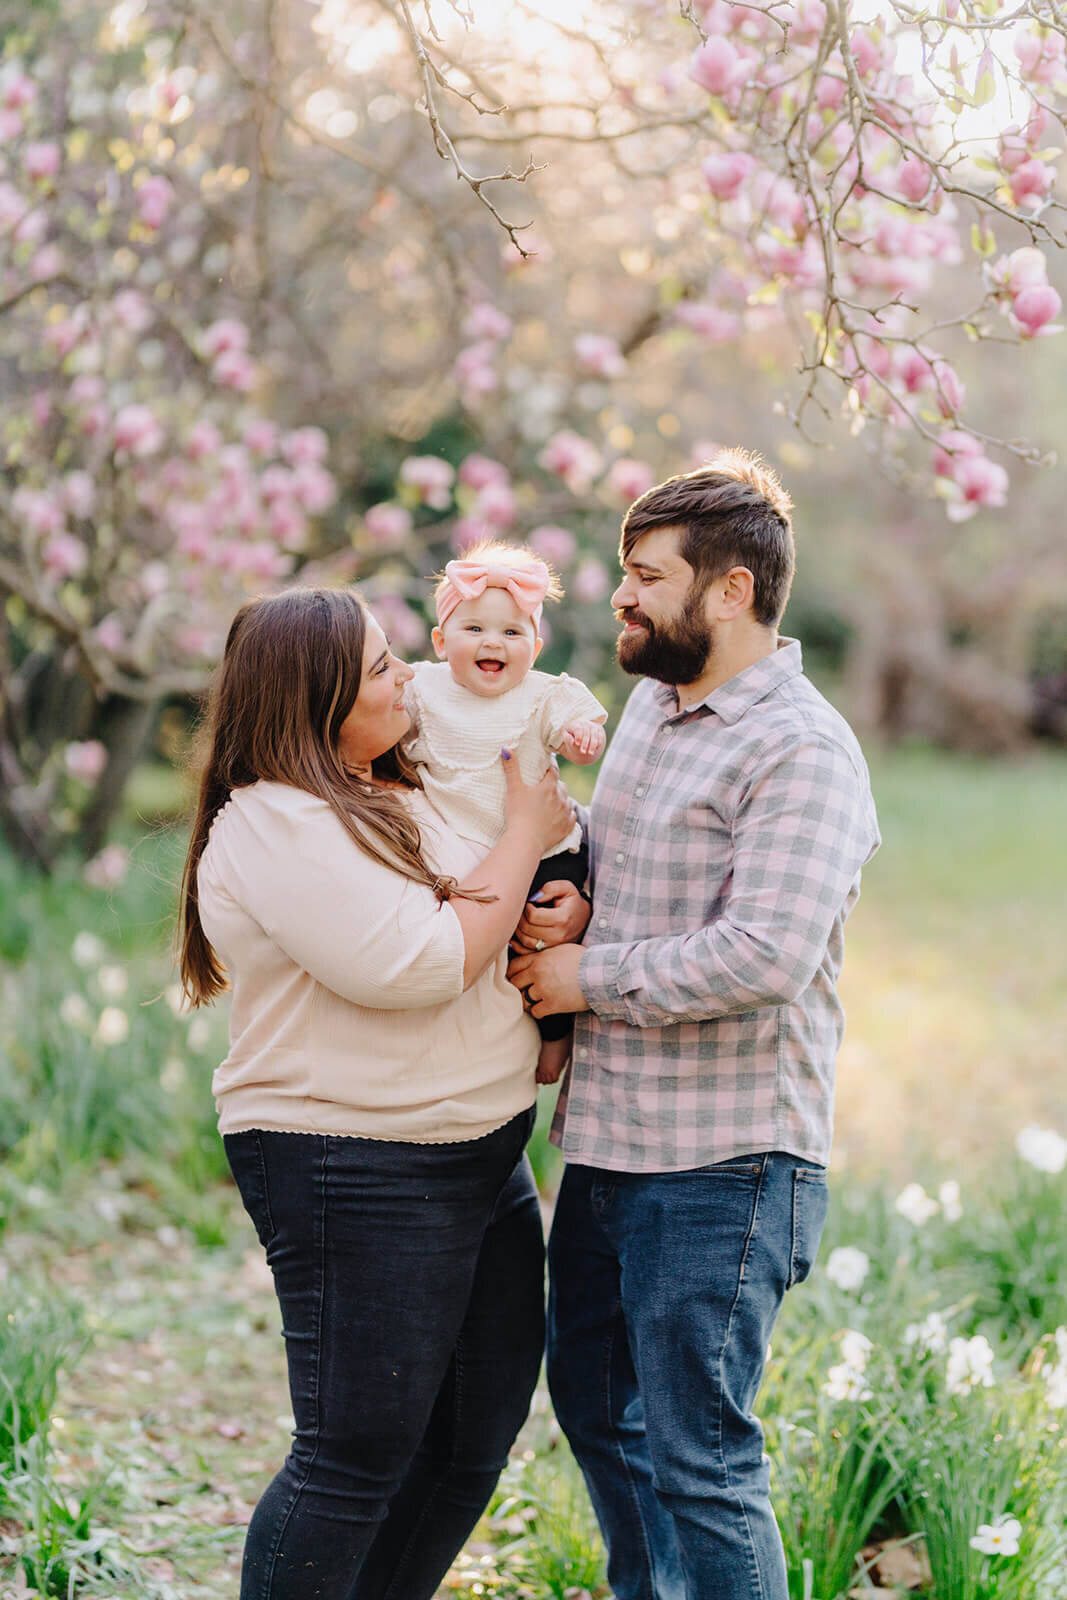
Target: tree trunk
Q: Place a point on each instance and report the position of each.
(125, 727)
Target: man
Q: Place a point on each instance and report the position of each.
(727, 832)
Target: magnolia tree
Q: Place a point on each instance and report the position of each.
(485, 269)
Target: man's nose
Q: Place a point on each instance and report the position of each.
(622, 598)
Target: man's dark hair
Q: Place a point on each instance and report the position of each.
(734, 513)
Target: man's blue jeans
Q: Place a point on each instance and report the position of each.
(664, 1289)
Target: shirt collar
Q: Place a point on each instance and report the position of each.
(740, 693)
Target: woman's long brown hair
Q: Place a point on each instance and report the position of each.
(290, 674)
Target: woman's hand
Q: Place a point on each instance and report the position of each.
(562, 922)
(542, 812)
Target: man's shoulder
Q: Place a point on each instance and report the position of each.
(801, 713)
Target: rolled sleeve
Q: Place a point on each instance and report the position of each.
(801, 834)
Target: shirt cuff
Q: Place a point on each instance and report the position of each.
(598, 978)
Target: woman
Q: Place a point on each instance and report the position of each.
(375, 1101)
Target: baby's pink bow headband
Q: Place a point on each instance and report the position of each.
(466, 580)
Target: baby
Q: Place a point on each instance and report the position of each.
(482, 697)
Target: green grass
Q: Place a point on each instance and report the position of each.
(127, 1468)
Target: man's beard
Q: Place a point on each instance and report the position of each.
(671, 652)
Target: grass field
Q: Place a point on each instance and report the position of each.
(139, 1351)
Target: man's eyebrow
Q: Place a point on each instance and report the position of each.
(643, 566)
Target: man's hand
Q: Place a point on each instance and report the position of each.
(561, 922)
(583, 741)
(549, 981)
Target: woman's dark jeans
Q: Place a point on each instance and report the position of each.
(410, 1279)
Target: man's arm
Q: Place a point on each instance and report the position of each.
(802, 833)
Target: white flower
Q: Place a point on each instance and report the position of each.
(113, 982)
(999, 1538)
(929, 1334)
(113, 1026)
(915, 1204)
(1056, 1387)
(855, 1348)
(970, 1365)
(845, 1383)
(949, 1196)
(87, 950)
(847, 1266)
(74, 1011)
(1043, 1148)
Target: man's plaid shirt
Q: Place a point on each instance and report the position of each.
(726, 843)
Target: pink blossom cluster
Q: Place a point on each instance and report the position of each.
(488, 329)
(487, 500)
(1020, 282)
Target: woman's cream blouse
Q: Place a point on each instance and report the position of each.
(348, 1012)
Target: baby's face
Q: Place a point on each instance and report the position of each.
(489, 643)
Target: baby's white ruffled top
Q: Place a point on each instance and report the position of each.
(459, 736)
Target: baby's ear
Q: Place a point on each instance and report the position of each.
(437, 636)
(538, 645)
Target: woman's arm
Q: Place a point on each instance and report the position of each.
(538, 816)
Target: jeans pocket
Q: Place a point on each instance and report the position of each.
(811, 1198)
(244, 1152)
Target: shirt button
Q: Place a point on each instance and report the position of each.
(580, 1053)
(639, 791)
(619, 857)
(601, 922)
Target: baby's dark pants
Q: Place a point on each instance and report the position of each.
(573, 866)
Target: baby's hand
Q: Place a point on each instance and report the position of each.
(583, 741)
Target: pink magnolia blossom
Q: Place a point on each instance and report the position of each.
(108, 867)
(154, 197)
(627, 479)
(913, 368)
(132, 311)
(65, 335)
(478, 471)
(1031, 182)
(85, 760)
(64, 556)
(468, 531)
(954, 446)
(912, 179)
(42, 159)
(430, 477)
(557, 546)
(950, 389)
(1025, 268)
(19, 91)
(225, 334)
(79, 494)
(473, 369)
(779, 202)
(40, 511)
(807, 21)
(599, 355)
(276, 483)
(716, 66)
(1033, 311)
(571, 458)
(1040, 56)
(497, 505)
(314, 487)
(484, 321)
(591, 582)
(203, 439)
(234, 369)
(405, 629)
(137, 431)
(725, 172)
(41, 408)
(710, 321)
(867, 53)
(831, 89)
(261, 437)
(305, 447)
(387, 523)
(109, 635)
(981, 482)
(10, 124)
(47, 263)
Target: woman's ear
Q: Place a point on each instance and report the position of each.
(437, 637)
